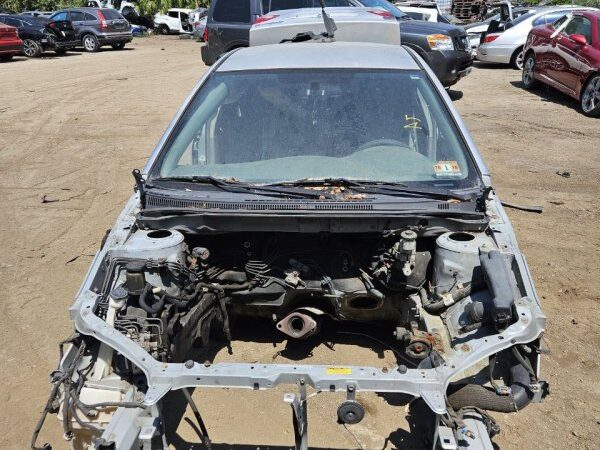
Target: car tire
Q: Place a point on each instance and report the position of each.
(90, 43)
(527, 77)
(590, 97)
(516, 60)
(31, 48)
(118, 46)
(162, 29)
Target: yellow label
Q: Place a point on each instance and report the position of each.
(339, 371)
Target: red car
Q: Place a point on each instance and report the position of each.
(566, 56)
(10, 43)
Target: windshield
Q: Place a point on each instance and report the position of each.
(384, 4)
(285, 125)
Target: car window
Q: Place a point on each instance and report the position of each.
(580, 25)
(559, 22)
(319, 124)
(415, 15)
(12, 22)
(551, 17)
(278, 5)
(112, 14)
(520, 19)
(59, 16)
(173, 14)
(77, 16)
(236, 11)
(88, 16)
(384, 4)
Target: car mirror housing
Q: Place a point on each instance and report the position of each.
(578, 38)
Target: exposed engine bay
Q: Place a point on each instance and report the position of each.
(453, 306)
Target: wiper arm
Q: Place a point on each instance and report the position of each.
(243, 188)
(395, 189)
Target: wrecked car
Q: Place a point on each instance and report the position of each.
(313, 190)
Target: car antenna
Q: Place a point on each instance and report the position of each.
(330, 26)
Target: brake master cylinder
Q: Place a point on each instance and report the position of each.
(405, 250)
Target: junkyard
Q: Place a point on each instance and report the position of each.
(72, 129)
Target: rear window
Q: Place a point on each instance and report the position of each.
(549, 18)
(278, 5)
(111, 14)
(237, 11)
(521, 18)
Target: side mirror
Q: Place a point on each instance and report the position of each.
(578, 38)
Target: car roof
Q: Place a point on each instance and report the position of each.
(590, 12)
(549, 9)
(315, 55)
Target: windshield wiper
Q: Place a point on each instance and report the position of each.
(244, 188)
(380, 187)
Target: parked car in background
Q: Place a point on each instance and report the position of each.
(122, 6)
(476, 30)
(37, 13)
(506, 46)
(40, 34)
(427, 11)
(196, 14)
(95, 28)
(177, 20)
(566, 56)
(200, 28)
(10, 43)
(444, 47)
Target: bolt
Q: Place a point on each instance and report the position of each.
(465, 348)
(384, 369)
(189, 364)
(402, 368)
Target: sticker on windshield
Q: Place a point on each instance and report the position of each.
(447, 169)
(412, 122)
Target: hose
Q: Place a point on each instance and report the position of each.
(435, 306)
(156, 307)
(463, 395)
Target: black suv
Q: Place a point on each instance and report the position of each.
(40, 34)
(443, 46)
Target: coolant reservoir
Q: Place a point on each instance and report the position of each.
(457, 259)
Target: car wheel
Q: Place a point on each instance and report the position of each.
(163, 29)
(590, 97)
(118, 46)
(31, 48)
(517, 59)
(527, 77)
(90, 43)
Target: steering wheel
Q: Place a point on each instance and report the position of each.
(380, 143)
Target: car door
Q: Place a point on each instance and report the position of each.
(173, 20)
(232, 20)
(77, 19)
(544, 41)
(184, 19)
(570, 55)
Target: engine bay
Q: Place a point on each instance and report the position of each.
(453, 307)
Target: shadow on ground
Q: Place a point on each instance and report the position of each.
(551, 95)
(418, 436)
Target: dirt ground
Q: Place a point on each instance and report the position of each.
(71, 130)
